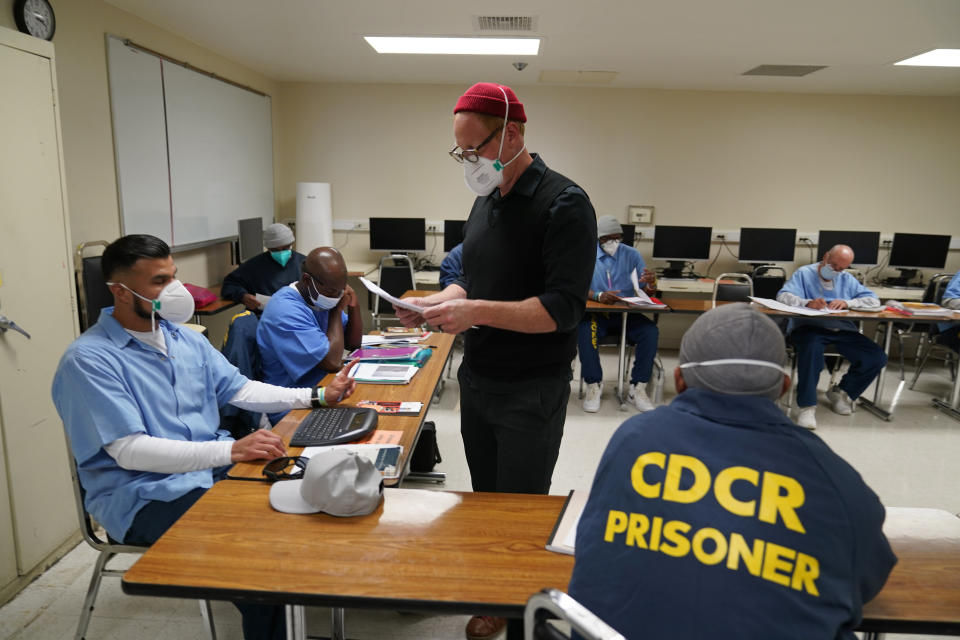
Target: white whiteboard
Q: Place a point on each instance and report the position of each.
(194, 154)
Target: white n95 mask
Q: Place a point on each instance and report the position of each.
(610, 247)
(174, 304)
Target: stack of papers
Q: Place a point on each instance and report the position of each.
(383, 373)
(372, 341)
(803, 311)
(383, 353)
(925, 309)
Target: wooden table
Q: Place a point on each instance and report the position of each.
(685, 305)
(421, 550)
(451, 552)
(420, 389)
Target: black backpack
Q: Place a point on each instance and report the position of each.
(426, 454)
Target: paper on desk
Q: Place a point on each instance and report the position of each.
(382, 436)
(396, 302)
(803, 311)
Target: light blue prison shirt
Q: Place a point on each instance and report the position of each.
(807, 285)
(618, 267)
(109, 385)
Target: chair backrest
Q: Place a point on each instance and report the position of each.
(738, 291)
(396, 277)
(87, 528)
(936, 287)
(768, 280)
(552, 604)
(92, 292)
(241, 350)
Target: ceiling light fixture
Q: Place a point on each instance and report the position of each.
(934, 58)
(455, 46)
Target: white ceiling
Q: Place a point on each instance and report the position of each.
(669, 44)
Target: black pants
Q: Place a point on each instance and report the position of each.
(260, 621)
(511, 430)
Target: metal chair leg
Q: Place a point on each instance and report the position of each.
(206, 612)
(927, 347)
(92, 591)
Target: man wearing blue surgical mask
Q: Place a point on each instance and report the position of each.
(827, 285)
(267, 272)
(307, 325)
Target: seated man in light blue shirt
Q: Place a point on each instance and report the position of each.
(139, 397)
(949, 332)
(307, 324)
(827, 285)
(611, 280)
(451, 269)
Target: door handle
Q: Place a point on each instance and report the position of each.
(6, 323)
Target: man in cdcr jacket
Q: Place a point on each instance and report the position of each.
(717, 516)
(827, 285)
(528, 254)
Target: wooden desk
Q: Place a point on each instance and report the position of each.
(214, 307)
(420, 389)
(421, 550)
(451, 552)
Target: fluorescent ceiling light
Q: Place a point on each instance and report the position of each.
(934, 58)
(456, 46)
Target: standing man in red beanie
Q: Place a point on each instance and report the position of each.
(528, 257)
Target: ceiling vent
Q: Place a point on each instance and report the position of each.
(513, 24)
(783, 70)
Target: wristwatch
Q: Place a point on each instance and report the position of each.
(316, 398)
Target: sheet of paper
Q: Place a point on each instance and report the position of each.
(262, 299)
(803, 311)
(369, 451)
(382, 436)
(635, 281)
(396, 302)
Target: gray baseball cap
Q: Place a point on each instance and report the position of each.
(335, 481)
(277, 235)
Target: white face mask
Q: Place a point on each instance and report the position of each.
(827, 272)
(321, 301)
(485, 175)
(173, 304)
(610, 247)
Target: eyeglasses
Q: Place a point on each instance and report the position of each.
(471, 155)
(276, 469)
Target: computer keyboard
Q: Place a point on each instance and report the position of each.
(334, 425)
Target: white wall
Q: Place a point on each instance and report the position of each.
(727, 160)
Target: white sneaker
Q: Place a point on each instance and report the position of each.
(807, 417)
(840, 402)
(591, 402)
(637, 394)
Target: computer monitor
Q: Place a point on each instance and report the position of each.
(452, 234)
(678, 245)
(913, 251)
(398, 234)
(629, 233)
(763, 246)
(249, 238)
(865, 245)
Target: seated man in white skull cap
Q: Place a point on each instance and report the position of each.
(716, 515)
(267, 272)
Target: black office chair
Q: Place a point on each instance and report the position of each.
(768, 280)
(395, 277)
(108, 548)
(928, 332)
(739, 290)
(92, 292)
(553, 604)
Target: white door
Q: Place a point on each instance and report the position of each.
(36, 292)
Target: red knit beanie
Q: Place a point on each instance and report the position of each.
(487, 97)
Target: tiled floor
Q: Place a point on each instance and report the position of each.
(911, 461)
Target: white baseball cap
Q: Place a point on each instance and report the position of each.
(335, 481)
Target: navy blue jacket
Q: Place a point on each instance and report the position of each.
(717, 517)
(260, 274)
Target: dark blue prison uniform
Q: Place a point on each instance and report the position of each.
(261, 274)
(723, 519)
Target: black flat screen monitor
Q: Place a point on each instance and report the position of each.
(629, 234)
(767, 245)
(452, 234)
(865, 245)
(919, 251)
(687, 244)
(250, 237)
(398, 234)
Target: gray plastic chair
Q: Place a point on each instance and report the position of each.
(551, 604)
